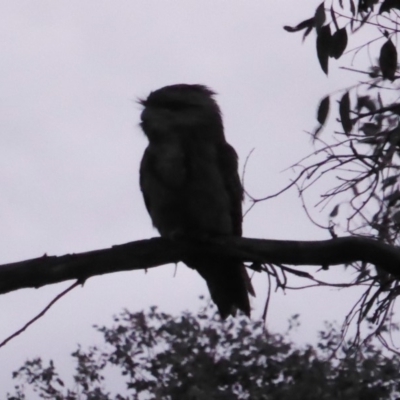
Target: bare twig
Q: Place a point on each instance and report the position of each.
(26, 326)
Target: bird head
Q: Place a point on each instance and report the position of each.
(182, 110)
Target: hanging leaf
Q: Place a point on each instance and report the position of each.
(323, 110)
(302, 25)
(323, 47)
(365, 101)
(333, 16)
(393, 198)
(374, 71)
(388, 60)
(352, 25)
(319, 17)
(344, 112)
(370, 140)
(394, 135)
(370, 129)
(395, 108)
(380, 102)
(366, 5)
(392, 180)
(352, 7)
(396, 217)
(338, 43)
(335, 211)
(387, 5)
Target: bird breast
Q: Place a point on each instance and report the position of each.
(188, 194)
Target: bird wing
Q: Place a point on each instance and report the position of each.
(145, 167)
(163, 174)
(228, 161)
(228, 164)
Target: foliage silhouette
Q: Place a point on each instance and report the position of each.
(361, 155)
(198, 357)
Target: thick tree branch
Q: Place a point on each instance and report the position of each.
(154, 252)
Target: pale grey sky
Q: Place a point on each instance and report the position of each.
(70, 147)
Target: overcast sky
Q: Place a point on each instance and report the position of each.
(70, 147)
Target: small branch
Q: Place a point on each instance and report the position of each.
(34, 319)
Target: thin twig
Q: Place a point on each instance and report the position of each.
(58, 297)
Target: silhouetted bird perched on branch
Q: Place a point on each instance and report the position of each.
(191, 185)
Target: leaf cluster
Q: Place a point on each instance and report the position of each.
(198, 357)
(333, 45)
(361, 157)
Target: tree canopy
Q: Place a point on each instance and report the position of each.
(195, 356)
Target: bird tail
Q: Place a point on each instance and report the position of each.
(229, 286)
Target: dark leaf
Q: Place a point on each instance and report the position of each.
(380, 100)
(387, 5)
(370, 129)
(369, 140)
(395, 108)
(375, 217)
(388, 60)
(335, 211)
(396, 217)
(393, 198)
(338, 43)
(344, 112)
(302, 25)
(352, 7)
(392, 180)
(323, 47)
(333, 16)
(319, 17)
(394, 135)
(365, 101)
(366, 5)
(375, 71)
(323, 110)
